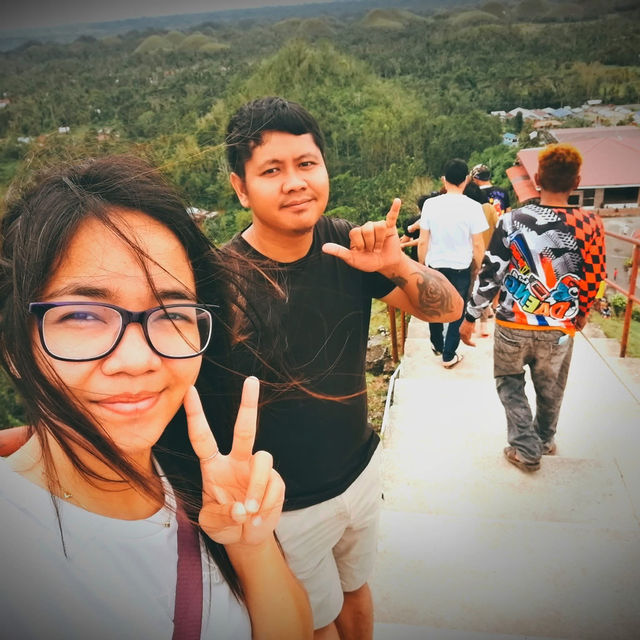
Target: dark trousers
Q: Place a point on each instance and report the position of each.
(447, 344)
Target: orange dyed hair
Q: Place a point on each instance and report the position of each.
(558, 167)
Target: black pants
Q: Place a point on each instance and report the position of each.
(447, 345)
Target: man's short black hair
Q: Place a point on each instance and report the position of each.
(456, 171)
(424, 197)
(248, 124)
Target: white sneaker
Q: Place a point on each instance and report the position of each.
(452, 363)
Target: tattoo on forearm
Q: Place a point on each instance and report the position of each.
(434, 294)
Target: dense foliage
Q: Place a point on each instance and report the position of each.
(397, 91)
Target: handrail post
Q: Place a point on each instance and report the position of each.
(403, 330)
(629, 310)
(394, 338)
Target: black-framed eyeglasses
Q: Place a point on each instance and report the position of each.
(84, 331)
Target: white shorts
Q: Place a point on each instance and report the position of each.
(331, 546)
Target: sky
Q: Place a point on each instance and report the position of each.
(47, 13)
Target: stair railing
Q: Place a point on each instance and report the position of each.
(397, 343)
(630, 293)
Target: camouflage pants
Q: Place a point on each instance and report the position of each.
(548, 356)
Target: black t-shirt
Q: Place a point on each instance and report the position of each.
(414, 235)
(305, 329)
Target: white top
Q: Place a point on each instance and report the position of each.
(117, 581)
(452, 219)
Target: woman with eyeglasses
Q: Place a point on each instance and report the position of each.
(106, 308)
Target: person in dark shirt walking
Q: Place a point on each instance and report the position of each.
(496, 196)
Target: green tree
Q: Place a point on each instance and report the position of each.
(517, 122)
(11, 411)
(458, 137)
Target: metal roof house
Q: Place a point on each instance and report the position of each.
(610, 177)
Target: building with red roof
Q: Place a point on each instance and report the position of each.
(610, 176)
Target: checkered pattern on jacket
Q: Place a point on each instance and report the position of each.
(570, 239)
(589, 234)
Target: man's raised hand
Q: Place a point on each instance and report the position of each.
(242, 493)
(374, 246)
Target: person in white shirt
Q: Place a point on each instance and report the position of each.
(451, 227)
(106, 308)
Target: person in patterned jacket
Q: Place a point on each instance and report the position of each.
(548, 263)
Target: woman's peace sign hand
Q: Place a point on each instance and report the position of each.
(242, 494)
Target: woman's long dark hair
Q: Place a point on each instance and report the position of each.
(35, 232)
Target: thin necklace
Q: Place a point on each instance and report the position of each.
(164, 523)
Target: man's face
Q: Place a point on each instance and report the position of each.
(286, 184)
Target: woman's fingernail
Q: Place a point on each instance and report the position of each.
(257, 521)
(238, 510)
(251, 506)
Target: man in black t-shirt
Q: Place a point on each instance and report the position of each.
(305, 284)
(496, 196)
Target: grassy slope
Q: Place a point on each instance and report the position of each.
(612, 328)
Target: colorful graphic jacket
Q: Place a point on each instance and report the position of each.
(548, 263)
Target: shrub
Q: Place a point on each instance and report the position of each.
(618, 303)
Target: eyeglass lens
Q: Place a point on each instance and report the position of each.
(86, 331)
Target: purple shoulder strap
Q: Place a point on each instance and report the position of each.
(187, 618)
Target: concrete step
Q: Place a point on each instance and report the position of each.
(589, 492)
(419, 359)
(459, 386)
(464, 410)
(599, 415)
(417, 329)
(471, 547)
(449, 460)
(387, 631)
(537, 579)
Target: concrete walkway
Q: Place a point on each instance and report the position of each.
(473, 548)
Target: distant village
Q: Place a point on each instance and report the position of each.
(608, 138)
(593, 112)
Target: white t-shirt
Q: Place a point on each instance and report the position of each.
(117, 581)
(451, 219)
